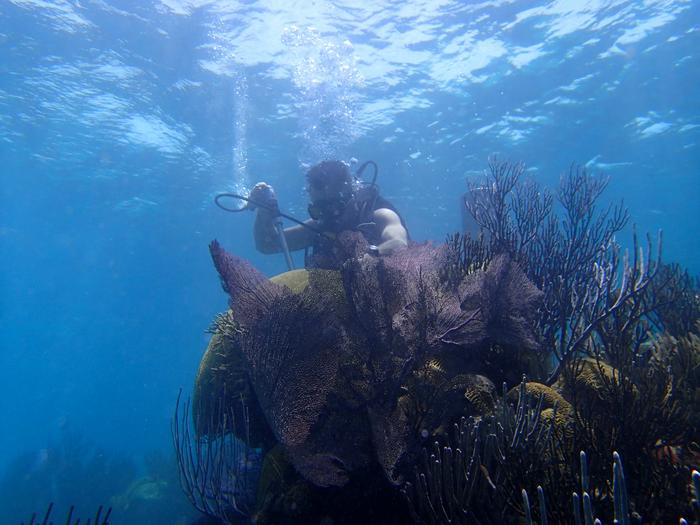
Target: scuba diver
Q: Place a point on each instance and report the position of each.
(338, 202)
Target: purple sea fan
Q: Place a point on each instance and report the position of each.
(339, 353)
(293, 348)
(250, 292)
(508, 301)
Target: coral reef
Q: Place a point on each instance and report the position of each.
(218, 472)
(381, 319)
(99, 518)
(602, 320)
(593, 294)
(344, 379)
(582, 508)
(695, 502)
(72, 473)
(680, 357)
(68, 471)
(477, 475)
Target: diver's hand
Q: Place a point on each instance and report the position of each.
(263, 196)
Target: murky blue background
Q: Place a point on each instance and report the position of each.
(120, 120)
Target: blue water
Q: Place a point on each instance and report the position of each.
(120, 120)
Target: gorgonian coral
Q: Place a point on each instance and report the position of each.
(343, 349)
(352, 371)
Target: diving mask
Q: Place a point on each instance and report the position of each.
(327, 210)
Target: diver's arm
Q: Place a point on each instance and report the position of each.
(262, 199)
(267, 239)
(393, 235)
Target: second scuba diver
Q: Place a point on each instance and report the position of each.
(338, 202)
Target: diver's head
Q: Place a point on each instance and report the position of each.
(331, 187)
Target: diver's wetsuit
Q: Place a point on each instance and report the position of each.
(359, 211)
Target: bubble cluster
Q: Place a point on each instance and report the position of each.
(240, 132)
(327, 82)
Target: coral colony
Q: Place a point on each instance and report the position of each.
(459, 383)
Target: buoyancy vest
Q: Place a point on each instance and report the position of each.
(358, 212)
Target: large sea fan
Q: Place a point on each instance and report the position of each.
(328, 365)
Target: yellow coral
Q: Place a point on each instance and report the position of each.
(550, 397)
(562, 422)
(295, 280)
(481, 398)
(434, 365)
(593, 379)
(563, 418)
(432, 370)
(142, 489)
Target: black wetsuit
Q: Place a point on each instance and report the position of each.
(360, 210)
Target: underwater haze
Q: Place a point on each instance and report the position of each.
(121, 120)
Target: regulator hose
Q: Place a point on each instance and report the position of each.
(217, 201)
